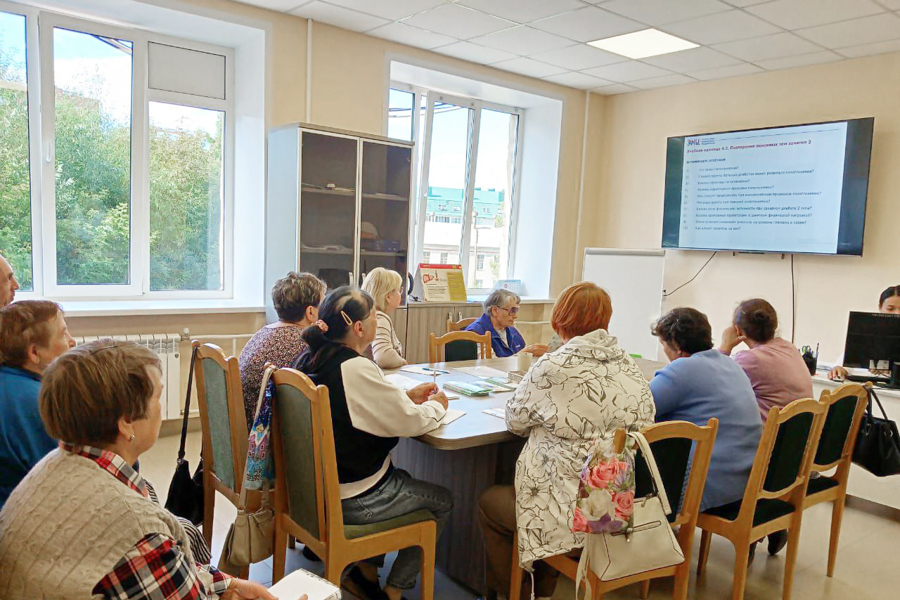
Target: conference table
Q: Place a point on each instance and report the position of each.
(468, 456)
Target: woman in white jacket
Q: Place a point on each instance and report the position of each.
(585, 390)
(386, 288)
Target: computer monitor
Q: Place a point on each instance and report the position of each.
(873, 341)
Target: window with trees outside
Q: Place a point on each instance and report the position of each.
(114, 160)
(466, 171)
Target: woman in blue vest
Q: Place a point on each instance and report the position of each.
(501, 309)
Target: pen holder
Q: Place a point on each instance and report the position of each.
(811, 361)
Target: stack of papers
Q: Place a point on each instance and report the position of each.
(496, 412)
(482, 372)
(293, 586)
(452, 415)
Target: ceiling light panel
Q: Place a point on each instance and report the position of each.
(641, 44)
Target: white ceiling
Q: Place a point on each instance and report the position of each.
(545, 38)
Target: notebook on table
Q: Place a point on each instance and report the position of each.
(300, 582)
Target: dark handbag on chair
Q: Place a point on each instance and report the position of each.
(878, 443)
(185, 497)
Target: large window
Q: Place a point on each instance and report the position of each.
(129, 179)
(467, 152)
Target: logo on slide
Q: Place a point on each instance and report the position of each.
(693, 142)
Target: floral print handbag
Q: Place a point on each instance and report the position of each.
(623, 536)
(606, 490)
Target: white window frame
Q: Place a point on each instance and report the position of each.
(41, 121)
(422, 139)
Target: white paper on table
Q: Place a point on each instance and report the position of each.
(407, 383)
(483, 372)
(300, 582)
(496, 412)
(452, 415)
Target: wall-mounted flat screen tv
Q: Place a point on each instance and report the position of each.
(793, 189)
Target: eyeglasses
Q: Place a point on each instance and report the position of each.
(512, 310)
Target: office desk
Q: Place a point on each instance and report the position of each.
(861, 483)
(467, 457)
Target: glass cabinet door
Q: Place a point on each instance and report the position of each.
(328, 207)
(384, 227)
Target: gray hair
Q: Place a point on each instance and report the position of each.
(499, 299)
(293, 293)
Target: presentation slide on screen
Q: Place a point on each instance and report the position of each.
(757, 190)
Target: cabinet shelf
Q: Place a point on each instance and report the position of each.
(341, 251)
(391, 197)
(377, 253)
(308, 189)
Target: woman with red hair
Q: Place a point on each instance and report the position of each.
(583, 391)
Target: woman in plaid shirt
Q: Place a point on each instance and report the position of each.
(81, 524)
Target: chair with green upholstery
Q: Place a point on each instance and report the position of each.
(224, 426)
(459, 345)
(845, 408)
(775, 492)
(307, 493)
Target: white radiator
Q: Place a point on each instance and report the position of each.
(166, 346)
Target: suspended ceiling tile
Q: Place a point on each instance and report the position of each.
(588, 24)
(475, 53)
(660, 12)
(778, 45)
(721, 27)
(523, 40)
(725, 72)
(799, 61)
(523, 11)
(579, 57)
(457, 21)
(627, 71)
(527, 66)
(867, 30)
(694, 59)
(797, 14)
(578, 80)
(339, 16)
(412, 36)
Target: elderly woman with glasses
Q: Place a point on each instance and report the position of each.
(82, 523)
(501, 309)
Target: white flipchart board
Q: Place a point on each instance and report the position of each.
(634, 281)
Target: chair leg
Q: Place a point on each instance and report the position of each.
(741, 562)
(427, 589)
(682, 578)
(645, 589)
(292, 542)
(837, 515)
(516, 573)
(209, 507)
(704, 551)
(334, 568)
(790, 559)
(278, 561)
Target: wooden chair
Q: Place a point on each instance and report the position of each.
(671, 443)
(459, 345)
(224, 430)
(845, 408)
(775, 492)
(459, 325)
(307, 496)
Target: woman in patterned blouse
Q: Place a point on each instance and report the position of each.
(581, 392)
(81, 524)
(296, 298)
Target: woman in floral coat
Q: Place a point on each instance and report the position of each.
(585, 390)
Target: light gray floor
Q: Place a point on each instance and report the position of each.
(868, 564)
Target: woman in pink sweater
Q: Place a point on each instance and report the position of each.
(775, 368)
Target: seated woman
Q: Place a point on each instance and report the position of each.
(501, 309)
(80, 524)
(888, 303)
(386, 288)
(775, 368)
(701, 383)
(296, 298)
(585, 390)
(369, 415)
(33, 333)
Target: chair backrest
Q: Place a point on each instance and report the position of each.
(459, 325)
(784, 456)
(222, 417)
(459, 345)
(682, 451)
(306, 475)
(845, 407)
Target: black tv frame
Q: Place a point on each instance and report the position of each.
(855, 228)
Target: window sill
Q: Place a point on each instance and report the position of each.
(114, 308)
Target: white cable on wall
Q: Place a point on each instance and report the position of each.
(576, 268)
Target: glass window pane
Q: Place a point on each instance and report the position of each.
(15, 178)
(186, 152)
(400, 114)
(493, 190)
(92, 79)
(446, 181)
